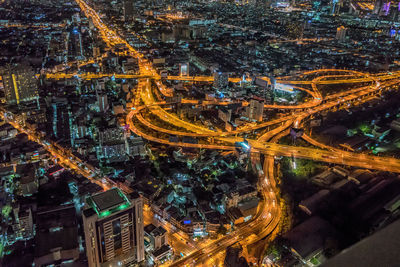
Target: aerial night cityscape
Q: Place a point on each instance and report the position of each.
(223, 133)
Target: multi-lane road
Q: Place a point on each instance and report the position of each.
(269, 215)
(354, 96)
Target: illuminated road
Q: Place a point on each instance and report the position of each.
(268, 217)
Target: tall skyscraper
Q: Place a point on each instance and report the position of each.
(341, 33)
(128, 10)
(102, 101)
(75, 47)
(183, 69)
(377, 6)
(255, 109)
(19, 84)
(113, 225)
(221, 79)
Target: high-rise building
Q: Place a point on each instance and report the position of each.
(76, 19)
(114, 232)
(24, 223)
(385, 8)
(377, 6)
(75, 47)
(335, 6)
(341, 33)
(221, 79)
(128, 10)
(255, 109)
(102, 101)
(96, 51)
(60, 118)
(19, 84)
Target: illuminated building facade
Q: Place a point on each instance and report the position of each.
(113, 225)
(102, 102)
(19, 84)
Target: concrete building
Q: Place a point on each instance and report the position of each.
(113, 225)
(24, 223)
(56, 237)
(255, 109)
(61, 116)
(135, 146)
(341, 33)
(184, 69)
(224, 114)
(235, 197)
(156, 235)
(221, 79)
(19, 84)
(128, 10)
(102, 102)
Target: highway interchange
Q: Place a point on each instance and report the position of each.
(150, 97)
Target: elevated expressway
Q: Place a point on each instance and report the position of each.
(267, 220)
(270, 149)
(269, 215)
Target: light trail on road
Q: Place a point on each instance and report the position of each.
(259, 225)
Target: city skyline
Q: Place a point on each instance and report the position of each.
(245, 133)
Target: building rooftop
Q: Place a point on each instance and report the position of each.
(310, 236)
(379, 249)
(151, 229)
(107, 202)
(161, 251)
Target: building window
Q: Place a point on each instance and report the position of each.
(117, 234)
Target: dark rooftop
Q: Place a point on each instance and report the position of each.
(108, 199)
(379, 249)
(161, 250)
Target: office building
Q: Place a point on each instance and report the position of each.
(335, 7)
(128, 10)
(183, 69)
(156, 235)
(221, 79)
(24, 223)
(255, 109)
(113, 226)
(102, 102)
(61, 116)
(19, 84)
(75, 47)
(341, 33)
(377, 6)
(380, 6)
